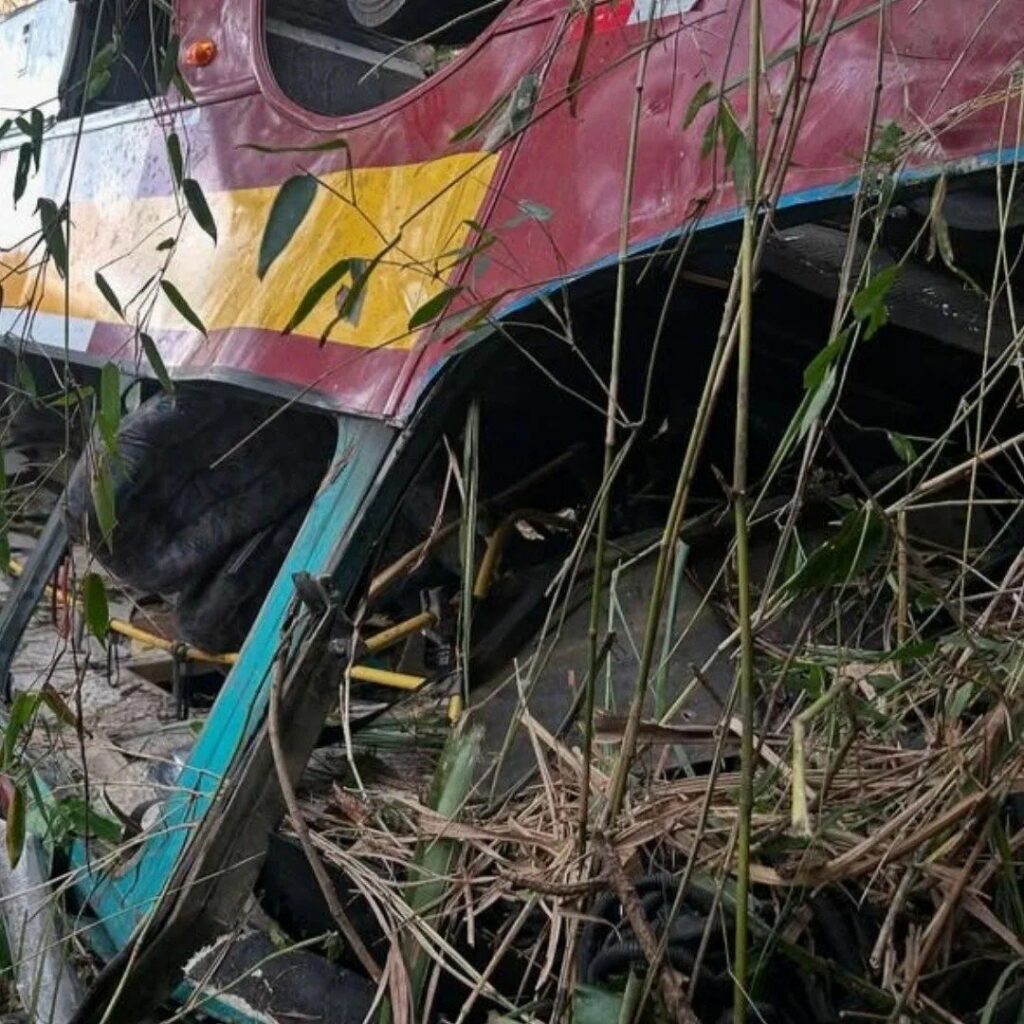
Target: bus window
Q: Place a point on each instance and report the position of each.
(325, 62)
(116, 56)
(34, 38)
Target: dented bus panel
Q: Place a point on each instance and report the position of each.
(481, 149)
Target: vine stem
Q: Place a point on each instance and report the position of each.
(739, 486)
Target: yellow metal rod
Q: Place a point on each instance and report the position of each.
(389, 637)
(382, 677)
(148, 639)
(361, 673)
(142, 636)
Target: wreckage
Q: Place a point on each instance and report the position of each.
(317, 268)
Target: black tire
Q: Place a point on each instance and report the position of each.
(217, 611)
(410, 19)
(191, 487)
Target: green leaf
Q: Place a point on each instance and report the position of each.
(853, 549)
(316, 291)
(700, 99)
(105, 55)
(156, 362)
(56, 703)
(97, 610)
(316, 147)
(69, 399)
(350, 307)
(869, 303)
(177, 300)
(98, 81)
(960, 700)
(810, 408)
(168, 64)
(51, 217)
(99, 70)
(5, 125)
(101, 486)
(291, 204)
(21, 171)
(33, 128)
(432, 308)
(902, 447)
(175, 157)
(167, 243)
(822, 362)
(199, 207)
(182, 86)
(108, 293)
(108, 416)
(592, 1005)
(18, 726)
(86, 822)
(15, 826)
(432, 858)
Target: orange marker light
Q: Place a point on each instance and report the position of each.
(200, 53)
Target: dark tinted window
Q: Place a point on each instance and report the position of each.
(116, 57)
(327, 64)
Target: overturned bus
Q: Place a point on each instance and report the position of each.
(368, 337)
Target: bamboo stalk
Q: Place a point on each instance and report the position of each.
(739, 486)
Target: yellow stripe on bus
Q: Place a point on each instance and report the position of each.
(421, 208)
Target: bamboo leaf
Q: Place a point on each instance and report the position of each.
(200, 208)
(108, 293)
(15, 826)
(97, 610)
(316, 147)
(291, 204)
(178, 301)
(822, 362)
(51, 217)
(98, 77)
(56, 703)
(98, 81)
(33, 128)
(432, 859)
(168, 64)
(108, 415)
(19, 722)
(101, 487)
(21, 171)
(432, 308)
(182, 86)
(853, 549)
(351, 305)
(316, 291)
(86, 822)
(156, 362)
(902, 446)
(869, 303)
(700, 99)
(174, 155)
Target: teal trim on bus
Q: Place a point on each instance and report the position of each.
(120, 901)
